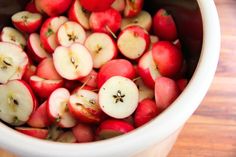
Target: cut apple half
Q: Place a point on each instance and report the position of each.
(34, 132)
(102, 48)
(13, 62)
(133, 42)
(143, 19)
(26, 21)
(78, 14)
(70, 32)
(17, 102)
(118, 5)
(84, 105)
(118, 97)
(35, 48)
(12, 35)
(73, 62)
(144, 91)
(58, 109)
(67, 137)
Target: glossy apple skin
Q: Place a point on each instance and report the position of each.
(146, 111)
(116, 67)
(99, 21)
(133, 7)
(39, 118)
(111, 128)
(96, 5)
(34, 132)
(164, 26)
(182, 84)
(83, 133)
(47, 70)
(31, 7)
(30, 70)
(166, 91)
(52, 7)
(168, 58)
(91, 79)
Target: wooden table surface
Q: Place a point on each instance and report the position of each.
(211, 131)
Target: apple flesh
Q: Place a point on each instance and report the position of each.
(69, 33)
(144, 91)
(166, 91)
(35, 49)
(83, 133)
(73, 62)
(164, 25)
(48, 32)
(83, 105)
(143, 19)
(112, 128)
(145, 112)
(108, 21)
(116, 67)
(39, 118)
(96, 5)
(118, 97)
(78, 14)
(102, 48)
(168, 58)
(13, 62)
(52, 7)
(118, 5)
(13, 36)
(17, 102)
(33, 132)
(26, 21)
(133, 41)
(147, 69)
(67, 137)
(58, 110)
(42, 87)
(46, 70)
(133, 7)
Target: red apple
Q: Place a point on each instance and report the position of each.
(166, 91)
(26, 21)
(67, 137)
(144, 91)
(52, 7)
(133, 41)
(145, 112)
(116, 67)
(182, 84)
(78, 14)
(96, 5)
(91, 79)
(164, 25)
(48, 32)
(108, 21)
(83, 133)
(29, 71)
(34, 132)
(39, 118)
(113, 128)
(118, 5)
(31, 7)
(133, 7)
(46, 70)
(168, 58)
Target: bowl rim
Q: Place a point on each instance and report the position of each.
(138, 140)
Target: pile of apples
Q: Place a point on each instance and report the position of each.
(103, 70)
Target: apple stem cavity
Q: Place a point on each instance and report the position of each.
(135, 79)
(110, 31)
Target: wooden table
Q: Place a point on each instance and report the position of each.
(211, 131)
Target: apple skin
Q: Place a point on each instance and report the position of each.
(91, 79)
(83, 133)
(31, 7)
(28, 26)
(133, 7)
(168, 58)
(166, 91)
(99, 21)
(116, 67)
(33, 132)
(182, 84)
(52, 7)
(164, 26)
(96, 5)
(111, 128)
(47, 70)
(146, 111)
(29, 71)
(39, 118)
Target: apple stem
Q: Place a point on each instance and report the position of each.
(135, 79)
(84, 84)
(110, 31)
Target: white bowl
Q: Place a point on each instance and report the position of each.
(152, 140)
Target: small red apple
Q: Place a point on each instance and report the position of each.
(96, 5)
